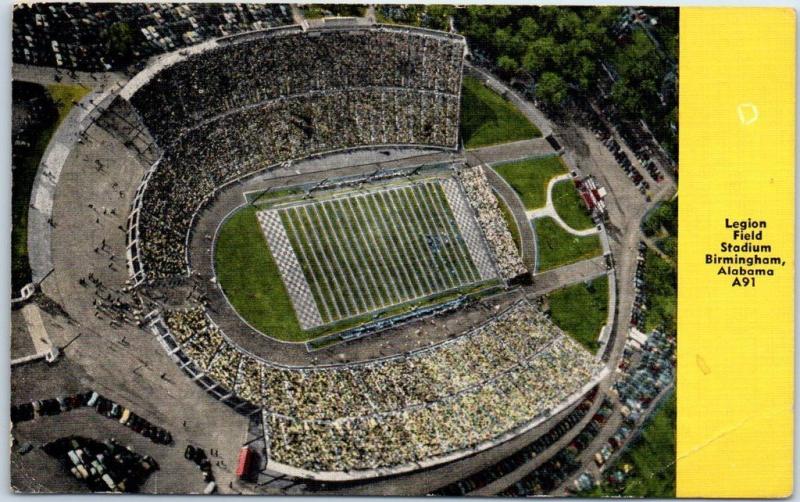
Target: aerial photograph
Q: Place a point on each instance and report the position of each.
(339, 249)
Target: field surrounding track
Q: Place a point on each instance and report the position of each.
(249, 277)
(365, 252)
(489, 119)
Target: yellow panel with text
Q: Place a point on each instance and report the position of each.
(735, 343)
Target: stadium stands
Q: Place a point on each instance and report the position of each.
(243, 106)
(392, 412)
(487, 210)
(65, 35)
(289, 63)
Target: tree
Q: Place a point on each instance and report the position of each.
(539, 55)
(438, 15)
(551, 89)
(503, 40)
(529, 30)
(508, 65)
(119, 42)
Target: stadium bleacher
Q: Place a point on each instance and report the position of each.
(392, 412)
(242, 107)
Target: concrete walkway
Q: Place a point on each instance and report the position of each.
(511, 152)
(550, 210)
(40, 213)
(45, 75)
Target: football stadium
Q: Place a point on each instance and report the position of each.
(275, 244)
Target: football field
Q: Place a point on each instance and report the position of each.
(361, 252)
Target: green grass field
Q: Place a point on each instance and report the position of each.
(250, 279)
(570, 206)
(364, 253)
(662, 293)
(557, 247)
(581, 310)
(26, 163)
(530, 177)
(489, 119)
(64, 95)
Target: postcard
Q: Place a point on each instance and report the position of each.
(402, 250)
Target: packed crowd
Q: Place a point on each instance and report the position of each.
(76, 36)
(235, 145)
(232, 76)
(487, 210)
(375, 87)
(403, 409)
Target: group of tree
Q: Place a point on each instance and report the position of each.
(560, 47)
(562, 50)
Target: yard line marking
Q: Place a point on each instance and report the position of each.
(457, 238)
(411, 258)
(411, 282)
(367, 235)
(404, 223)
(359, 241)
(334, 271)
(313, 274)
(339, 252)
(442, 230)
(420, 230)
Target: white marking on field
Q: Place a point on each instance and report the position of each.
(469, 229)
(292, 274)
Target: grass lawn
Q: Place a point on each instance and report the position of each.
(530, 177)
(557, 247)
(662, 293)
(321, 10)
(250, 279)
(570, 206)
(489, 119)
(581, 310)
(64, 95)
(26, 163)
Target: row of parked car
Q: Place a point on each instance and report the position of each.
(602, 133)
(198, 456)
(104, 406)
(103, 467)
(643, 148)
(513, 462)
(550, 475)
(639, 286)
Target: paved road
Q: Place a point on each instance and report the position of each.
(582, 271)
(45, 75)
(508, 152)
